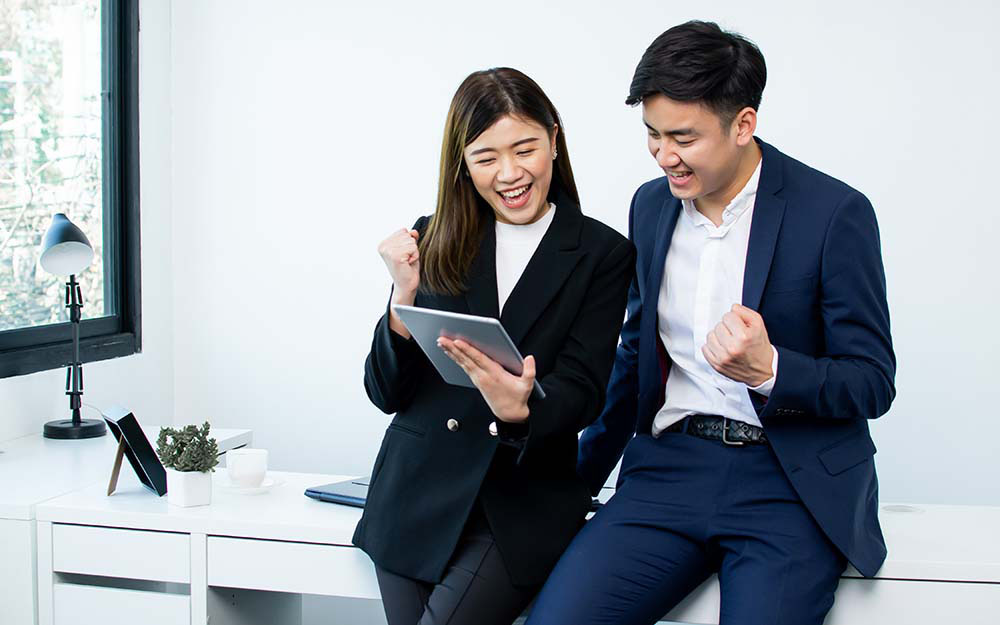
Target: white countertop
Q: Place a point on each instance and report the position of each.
(926, 542)
(934, 542)
(282, 513)
(34, 469)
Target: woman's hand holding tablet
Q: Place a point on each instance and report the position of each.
(505, 393)
(485, 340)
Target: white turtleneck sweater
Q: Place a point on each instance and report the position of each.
(515, 246)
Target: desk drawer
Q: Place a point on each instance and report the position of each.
(93, 605)
(291, 567)
(135, 554)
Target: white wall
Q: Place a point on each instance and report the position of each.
(143, 382)
(303, 132)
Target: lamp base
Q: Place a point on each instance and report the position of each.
(66, 429)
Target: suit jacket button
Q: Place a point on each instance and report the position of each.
(493, 428)
(454, 425)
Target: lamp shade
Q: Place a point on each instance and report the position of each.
(65, 248)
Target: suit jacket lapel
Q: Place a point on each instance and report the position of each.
(654, 276)
(654, 361)
(481, 296)
(552, 263)
(768, 211)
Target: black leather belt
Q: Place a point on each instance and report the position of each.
(713, 428)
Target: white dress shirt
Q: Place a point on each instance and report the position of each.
(516, 244)
(702, 279)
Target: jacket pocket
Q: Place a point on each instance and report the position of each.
(847, 453)
(409, 430)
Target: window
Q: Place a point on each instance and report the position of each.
(68, 143)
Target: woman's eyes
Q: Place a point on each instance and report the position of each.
(488, 161)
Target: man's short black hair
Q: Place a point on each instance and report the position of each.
(699, 62)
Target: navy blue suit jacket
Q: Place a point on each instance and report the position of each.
(814, 273)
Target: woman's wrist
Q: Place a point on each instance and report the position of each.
(402, 297)
(518, 414)
(396, 325)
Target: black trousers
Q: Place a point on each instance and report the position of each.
(475, 589)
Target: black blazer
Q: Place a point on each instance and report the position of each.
(566, 310)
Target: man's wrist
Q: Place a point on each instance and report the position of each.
(765, 386)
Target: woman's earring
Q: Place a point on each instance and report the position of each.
(555, 154)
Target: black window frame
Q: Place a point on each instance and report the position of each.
(41, 348)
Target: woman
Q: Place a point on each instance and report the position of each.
(474, 493)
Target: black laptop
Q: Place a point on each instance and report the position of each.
(349, 492)
(354, 492)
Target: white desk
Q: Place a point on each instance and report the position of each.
(943, 567)
(940, 558)
(277, 541)
(943, 561)
(34, 469)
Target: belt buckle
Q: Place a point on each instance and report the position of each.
(725, 429)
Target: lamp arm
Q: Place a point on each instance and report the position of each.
(74, 375)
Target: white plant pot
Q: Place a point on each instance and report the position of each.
(189, 488)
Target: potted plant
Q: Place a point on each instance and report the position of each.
(189, 456)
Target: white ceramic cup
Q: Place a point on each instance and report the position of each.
(247, 467)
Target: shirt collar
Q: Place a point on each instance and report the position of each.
(528, 230)
(736, 207)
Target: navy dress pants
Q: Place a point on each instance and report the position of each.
(685, 508)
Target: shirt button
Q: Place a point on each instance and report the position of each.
(493, 428)
(454, 425)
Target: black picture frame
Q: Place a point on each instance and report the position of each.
(139, 451)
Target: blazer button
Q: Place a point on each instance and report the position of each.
(493, 428)
(454, 425)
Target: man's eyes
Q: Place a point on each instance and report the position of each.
(686, 143)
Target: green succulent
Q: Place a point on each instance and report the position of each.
(187, 449)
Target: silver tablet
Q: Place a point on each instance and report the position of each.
(484, 333)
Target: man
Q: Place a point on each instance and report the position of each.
(755, 350)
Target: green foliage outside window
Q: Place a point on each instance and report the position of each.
(51, 152)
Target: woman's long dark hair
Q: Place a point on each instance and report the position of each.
(452, 239)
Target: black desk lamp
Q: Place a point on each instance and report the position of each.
(66, 252)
